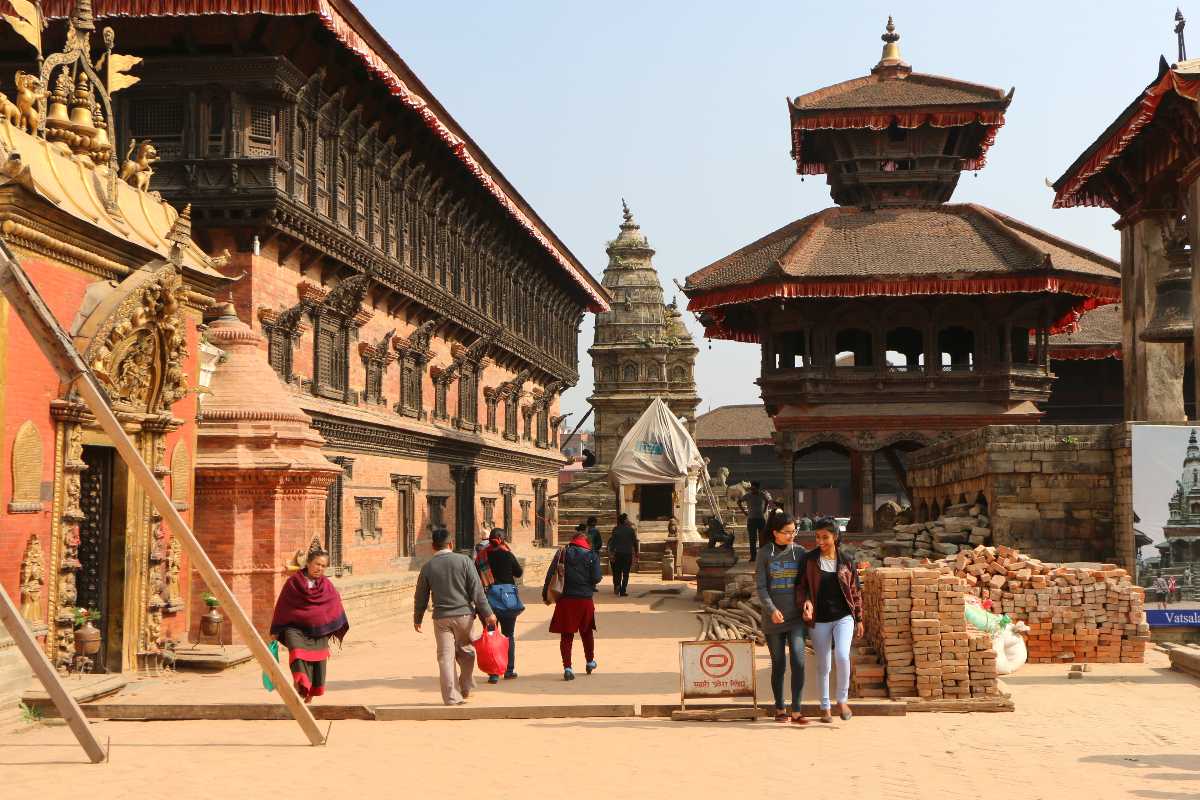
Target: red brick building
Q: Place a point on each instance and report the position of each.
(419, 311)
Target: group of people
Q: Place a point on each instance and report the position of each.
(757, 504)
(1167, 589)
(813, 593)
(804, 594)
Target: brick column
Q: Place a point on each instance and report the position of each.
(261, 479)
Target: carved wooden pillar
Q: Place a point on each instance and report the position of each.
(866, 499)
(785, 449)
(1153, 372)
(1193, 219)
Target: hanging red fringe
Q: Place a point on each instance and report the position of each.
(903, 119)
(1073, 192)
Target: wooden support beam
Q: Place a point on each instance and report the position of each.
(58, 349)
(36, 658)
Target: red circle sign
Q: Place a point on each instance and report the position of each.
(716, 661)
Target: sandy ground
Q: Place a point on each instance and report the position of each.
(1123, 731)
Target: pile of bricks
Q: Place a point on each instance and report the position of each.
(1080, 613)
(915, 621)
(961, 527)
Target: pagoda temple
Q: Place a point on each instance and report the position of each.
(897, 318)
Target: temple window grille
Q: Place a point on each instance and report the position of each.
(162, 121)
(279, 352)
(260, 135)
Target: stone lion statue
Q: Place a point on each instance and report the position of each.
(737, 491)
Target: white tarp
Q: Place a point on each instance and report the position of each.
(658, 449)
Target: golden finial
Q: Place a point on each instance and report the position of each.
(891, 49)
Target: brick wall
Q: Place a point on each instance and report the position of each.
(1051, 490)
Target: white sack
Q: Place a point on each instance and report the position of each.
(658, 449)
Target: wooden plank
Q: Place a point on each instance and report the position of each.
(974, 704)
(36, 658)
(715, 714)
(429, 713)
(60, 352)
(861, 708)
(168, 712)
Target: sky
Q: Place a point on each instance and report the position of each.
(1158, 452)
(680, 108)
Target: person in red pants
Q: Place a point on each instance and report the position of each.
(574, 610)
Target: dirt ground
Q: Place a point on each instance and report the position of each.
(1123, 731)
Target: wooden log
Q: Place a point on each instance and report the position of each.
(714, 714)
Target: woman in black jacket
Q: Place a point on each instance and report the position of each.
(574, 610)
(498, 570)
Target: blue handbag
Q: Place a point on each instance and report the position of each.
(504, 600)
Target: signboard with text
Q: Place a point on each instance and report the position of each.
(1183, 617)
(716, 669)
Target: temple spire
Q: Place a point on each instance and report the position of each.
(890, 62)
(1180, 23)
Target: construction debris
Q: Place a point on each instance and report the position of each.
(960, 527)
(1075, 612)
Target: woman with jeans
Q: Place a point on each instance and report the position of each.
(828, 593)
(775, 571)
(498, 570)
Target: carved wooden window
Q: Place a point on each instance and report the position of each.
(332, 343)
(378, 214)
(411, 374)
(468, 398)
(512, 409)
(260, 132)
(300, 156)
(279, 352)
(439, 399)
(162, 121)
(630, 373)
(437, 511)
(343, 179)
(527, 431)
(361, 180)
(26, 470)
(374, 385)
(543, 425)
(508, 490)
(333, 512)
(215, 143)
(322, 175)
(489, 511)
(368, 515)
(492, 401)
(525, 506)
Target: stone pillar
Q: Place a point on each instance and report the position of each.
(687, 511)
(1193, 216)
(867, 497)
(1153, 372)
(261, 479)
(785, 449)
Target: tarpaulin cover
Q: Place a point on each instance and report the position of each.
(657, 449)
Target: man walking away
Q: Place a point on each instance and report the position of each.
(754, 504)
(1160, 588)
(457, 597)
(622, 547)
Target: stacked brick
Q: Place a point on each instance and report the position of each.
(915, 622)
(1083, 613)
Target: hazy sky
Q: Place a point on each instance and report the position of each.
(681, 109)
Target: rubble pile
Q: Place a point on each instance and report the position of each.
(915, 621)
(1080, 613)
(961, 527)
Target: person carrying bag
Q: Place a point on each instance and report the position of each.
(498, 571)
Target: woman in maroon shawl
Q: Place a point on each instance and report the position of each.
(308, 612)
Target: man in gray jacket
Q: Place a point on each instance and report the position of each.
(457, 597)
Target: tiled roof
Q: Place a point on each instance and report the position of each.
(1098, 327)
(748, 423)
(894, 243)
(915, 90)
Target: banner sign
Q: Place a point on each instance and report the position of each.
(716, 669)
(1183, 617)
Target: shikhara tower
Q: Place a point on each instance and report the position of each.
(642, 349)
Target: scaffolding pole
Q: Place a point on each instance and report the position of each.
(60, 352)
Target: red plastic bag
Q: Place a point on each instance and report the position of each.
(491, 652)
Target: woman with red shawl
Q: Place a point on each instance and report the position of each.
(574, 610)
(308, 612)
(498, 571)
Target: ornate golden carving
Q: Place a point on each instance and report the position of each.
(137, 170)
(33, 577)
(181, 474)
(139, 352)
(172, 595)
(29, 94)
